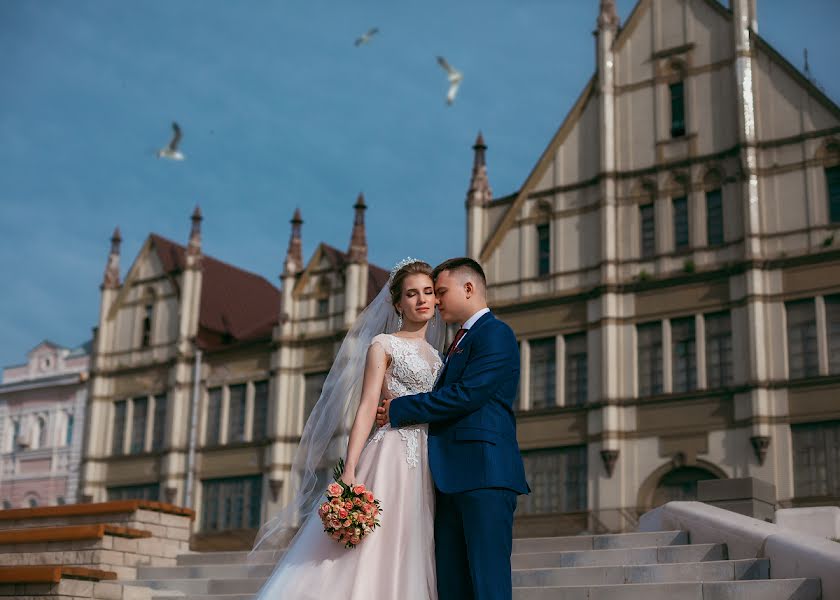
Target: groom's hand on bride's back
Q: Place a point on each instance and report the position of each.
(382, 413)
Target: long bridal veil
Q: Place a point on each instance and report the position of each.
(325, 435)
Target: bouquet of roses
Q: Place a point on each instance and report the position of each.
(350, 512)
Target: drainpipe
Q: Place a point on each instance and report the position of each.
(188, 492)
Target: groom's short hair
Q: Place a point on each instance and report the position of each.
(462, 263)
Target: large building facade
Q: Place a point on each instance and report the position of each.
(42, 410)
(203, 374)
(671, 266)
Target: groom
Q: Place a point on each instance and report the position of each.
(473, 453)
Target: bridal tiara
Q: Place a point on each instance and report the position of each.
(406, 261)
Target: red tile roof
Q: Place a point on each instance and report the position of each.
(236, 306)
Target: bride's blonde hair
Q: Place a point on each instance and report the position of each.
(418, 267)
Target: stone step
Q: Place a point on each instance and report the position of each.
(774, 589)
(206, 571)
(229, 558)
(599, 542)
(730, 570)
(625, 556)
(203, 587)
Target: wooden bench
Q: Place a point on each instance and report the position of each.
(65, 582)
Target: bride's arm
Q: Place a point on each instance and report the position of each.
(375, 366)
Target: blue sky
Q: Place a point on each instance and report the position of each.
(278, 110)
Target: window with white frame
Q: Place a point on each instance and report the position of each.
(543, 249)
(681, 232)
(543, 372)
(576, 369)
(139, 419)
(214, 417)
(803, 359)
(558, 479)
(159, 423)
(683, 355)
(118, 439)
(649, 352)
(718, 349)
(236, 413)
(816, 458)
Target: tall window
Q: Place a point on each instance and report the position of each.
(148, 311)
(680, 223)
(214, 416)
(649, 337)
(159, 424)
(138, 425)
(323, 306)
(231, 503)
(558, 478)
(236, 417)
(648, 230)
(714, 217)
(312, 383)
(543, 372)
(802, 338)
(832, 178)
(576, 365)
(145, 491)
(832, 319)
(677, 109)
(816, 458)
(43, 433)
(68, 439)
(260, 428)
(16, 445)
(119, 427)
(543, 249)
(718, 350)
(683, 355)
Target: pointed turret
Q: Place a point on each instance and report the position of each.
(294, 254)
(194, 246)
(479, 196)
(479, 192)
(111, 280)
(608, 17)
(358, 240)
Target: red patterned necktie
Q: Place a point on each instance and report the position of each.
(461, 333)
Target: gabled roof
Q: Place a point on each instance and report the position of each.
(236, 305)
(377, 276)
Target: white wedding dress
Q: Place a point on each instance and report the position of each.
(397, 560)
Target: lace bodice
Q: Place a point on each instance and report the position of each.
(414, 367)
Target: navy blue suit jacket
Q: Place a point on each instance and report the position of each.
(472, 429)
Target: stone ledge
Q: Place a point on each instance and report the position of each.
(99, 508)
(791, 554)
(52, 574)
(35, 535)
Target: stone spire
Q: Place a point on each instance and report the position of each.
(358, 240)
(194, 246)
(111, 280)
(608, 17)
(294, 255)
(479, 192)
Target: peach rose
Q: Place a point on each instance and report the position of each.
(335, 502)
(369, 496)
(357, 501)
(359, 489)
(336, 535)
(334, 490)
(342, 513)
(348, 504)
(347, 523)
(355, 540)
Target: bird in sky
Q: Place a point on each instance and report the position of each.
(171, 151)
(455, 77)
(366, 37)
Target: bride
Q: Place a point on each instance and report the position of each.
(392, 350)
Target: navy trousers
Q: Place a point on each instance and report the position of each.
(473, 542)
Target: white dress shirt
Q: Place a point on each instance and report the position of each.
(471, 321)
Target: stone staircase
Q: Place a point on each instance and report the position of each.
(648, 566)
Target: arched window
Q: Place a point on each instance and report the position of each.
(676, 90)
(712, 184)
(43, 433)
(542, 214)
(680, 484)
(148, 314)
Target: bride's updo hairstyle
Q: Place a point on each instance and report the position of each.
(417, 267)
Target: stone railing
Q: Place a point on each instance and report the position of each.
(791, 554)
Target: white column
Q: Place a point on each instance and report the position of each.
(225, 415)
(249, 411)
(667, 363)
(560, 368)
(524, 375)
(822, 334)
(700, 348)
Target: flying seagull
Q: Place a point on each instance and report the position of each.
(171, 151)
(455, 78)
(365, 38)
